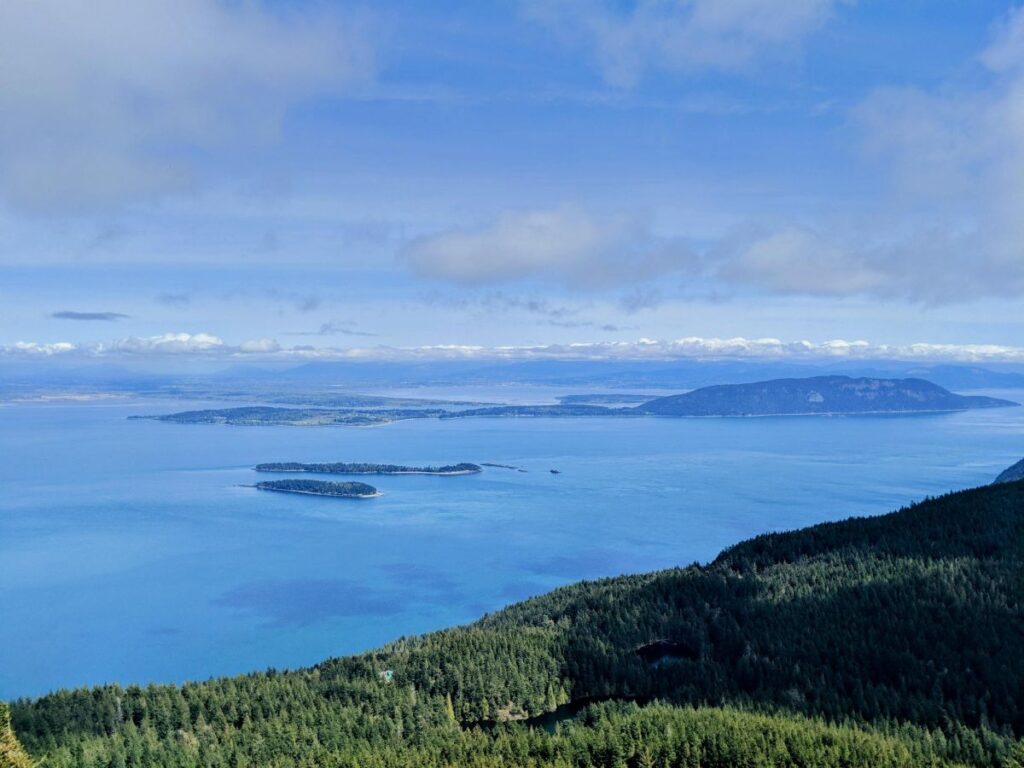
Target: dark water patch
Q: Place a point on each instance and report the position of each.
(666, 651)
(300, 602)
(550, 721)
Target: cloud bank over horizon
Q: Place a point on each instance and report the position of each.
(208, 346)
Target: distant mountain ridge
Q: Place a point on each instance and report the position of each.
(818, 395)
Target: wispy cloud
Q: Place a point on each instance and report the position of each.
(334, 328)
(301, 302)
(640, 298)
(796, 260)
(67, 314)
(535, 310)
(688, 36)
(569, 244)
(956, 155)
(174, 299)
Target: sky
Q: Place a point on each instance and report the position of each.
(561, 178)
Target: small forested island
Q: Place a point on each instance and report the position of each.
(320, 488)
(818, 395)
(885, 641)
(359, 468)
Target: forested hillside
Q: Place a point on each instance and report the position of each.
(1011, 474)
(895, 640)
(11, 753)
(817, 394)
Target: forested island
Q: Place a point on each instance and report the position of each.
(359, 468)
(885, 641)
(818, 395)
(320, 488)
(269, 416)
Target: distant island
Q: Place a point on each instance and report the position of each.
(1012, 474)
(818, 395)
(321, 488)
(342, 468)
(814, 396)
(265, 416)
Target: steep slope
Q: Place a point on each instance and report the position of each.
(817, 395)
(1012, 474)
(910, 624)
(11, 753)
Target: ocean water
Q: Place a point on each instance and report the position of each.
(130, 551)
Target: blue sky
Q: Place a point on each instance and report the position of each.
(300, 179)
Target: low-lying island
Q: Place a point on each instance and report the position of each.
(363, 468)
(321, 488)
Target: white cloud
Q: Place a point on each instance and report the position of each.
(166, 344)
(104, 101)
(262, 346)
(35, 349)
(626, 39)
(685, 348)
(951, 230)
(796, 260)
(957, 156)
(568, 244)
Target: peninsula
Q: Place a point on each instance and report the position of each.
(321, 488)
(270, 416)
(360, 468)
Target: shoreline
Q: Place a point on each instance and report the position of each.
(612, 413)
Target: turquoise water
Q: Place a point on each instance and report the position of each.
(130, 552)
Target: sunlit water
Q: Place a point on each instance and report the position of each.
(130, 550)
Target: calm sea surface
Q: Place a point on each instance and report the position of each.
(130, 550)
